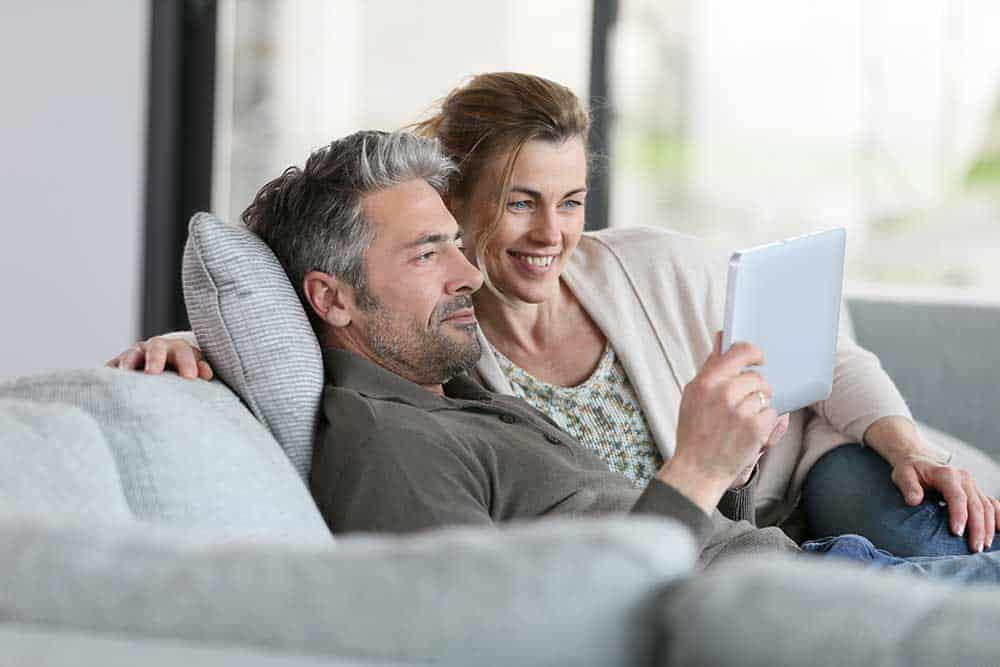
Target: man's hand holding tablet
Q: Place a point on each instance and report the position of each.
(724, 426)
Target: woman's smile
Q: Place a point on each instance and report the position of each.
(532, 264)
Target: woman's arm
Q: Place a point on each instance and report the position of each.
(866, 405)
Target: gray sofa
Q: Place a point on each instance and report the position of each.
(154, 521)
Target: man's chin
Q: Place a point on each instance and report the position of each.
(467, 355)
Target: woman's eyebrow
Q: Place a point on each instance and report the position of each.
(538, 195)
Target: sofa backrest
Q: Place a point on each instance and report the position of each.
(161, 449)
(944, 359)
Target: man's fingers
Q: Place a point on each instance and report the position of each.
(747, 384)
(736, 358)
(740, 355)
(204, 370)
(765, 421)
(908, 482)
(780, 428)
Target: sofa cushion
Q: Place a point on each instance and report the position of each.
(185, 452)
(40, 646)
(56, 461)
(558, 592)
(796, 611)
(251, 327)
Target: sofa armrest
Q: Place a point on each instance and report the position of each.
(579, 592)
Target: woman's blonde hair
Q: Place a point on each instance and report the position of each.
(493, 115)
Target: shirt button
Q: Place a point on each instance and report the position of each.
(553, 439)
(508, 418)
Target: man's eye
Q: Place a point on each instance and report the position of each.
(572, 203)
(460, 244)
(427, 255)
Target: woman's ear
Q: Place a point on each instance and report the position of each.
(329, 298)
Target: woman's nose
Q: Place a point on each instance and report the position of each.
(545, 228)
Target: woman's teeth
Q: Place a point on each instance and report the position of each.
(534, 260)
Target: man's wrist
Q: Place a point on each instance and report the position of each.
(702, 488)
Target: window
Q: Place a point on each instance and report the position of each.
(747, 122)
(292, 76)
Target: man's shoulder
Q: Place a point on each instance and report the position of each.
(354, 420)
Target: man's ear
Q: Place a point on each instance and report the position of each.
(329, 298)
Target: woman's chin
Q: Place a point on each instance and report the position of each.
(528, 294)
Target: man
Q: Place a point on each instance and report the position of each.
(409, 441)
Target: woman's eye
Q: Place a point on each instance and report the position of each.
(460, 244)
(520, 205)
(427, 255)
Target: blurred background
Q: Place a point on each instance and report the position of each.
(736, 122)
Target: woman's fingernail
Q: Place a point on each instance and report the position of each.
(959, 529)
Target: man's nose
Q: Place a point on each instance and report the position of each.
(465, 277)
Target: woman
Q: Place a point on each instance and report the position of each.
(641, 307)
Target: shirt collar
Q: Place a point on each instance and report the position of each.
(350, 371)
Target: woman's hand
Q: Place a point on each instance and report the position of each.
(161, 353)
(725, 425)
(971, 511)
(969, 508)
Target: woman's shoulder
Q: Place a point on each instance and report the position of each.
(650, 248)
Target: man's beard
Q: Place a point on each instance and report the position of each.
(425, 356)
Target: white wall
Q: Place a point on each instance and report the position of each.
(72, 135)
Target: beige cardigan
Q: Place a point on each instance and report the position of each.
(659, 297)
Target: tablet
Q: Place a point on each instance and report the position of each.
(785, 298)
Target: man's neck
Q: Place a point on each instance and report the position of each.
(351, 345)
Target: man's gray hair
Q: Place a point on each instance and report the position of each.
(312, 217)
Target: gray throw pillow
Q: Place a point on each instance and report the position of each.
(252, 329)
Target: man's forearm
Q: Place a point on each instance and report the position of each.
(701, 489)
(663, 499)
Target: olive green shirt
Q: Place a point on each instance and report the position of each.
(392, 456)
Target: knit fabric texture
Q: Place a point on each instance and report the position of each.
(602, 413)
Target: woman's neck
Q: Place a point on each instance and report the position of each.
(527, 327)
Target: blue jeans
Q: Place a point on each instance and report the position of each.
(981, 568)
(850, 491)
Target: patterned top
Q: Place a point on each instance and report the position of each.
(602, 413)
